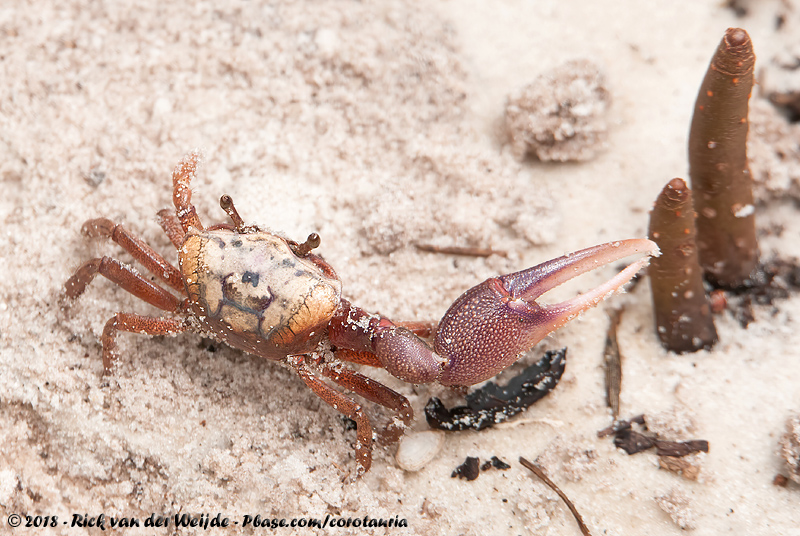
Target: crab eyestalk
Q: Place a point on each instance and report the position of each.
(226, 204)
(301, 250)
(683, 315)
(490, 325)
(721, 181)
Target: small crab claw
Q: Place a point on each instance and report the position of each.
(490, 325)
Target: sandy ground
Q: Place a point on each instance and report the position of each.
(377, 125)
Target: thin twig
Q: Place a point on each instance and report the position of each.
(535, 469)
(459, 250)
(612, 359)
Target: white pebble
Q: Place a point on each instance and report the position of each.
(417, 449)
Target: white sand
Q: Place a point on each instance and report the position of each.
(375, 124)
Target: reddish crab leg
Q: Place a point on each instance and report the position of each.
(172, 226)
(182, 194)
(152, 260)
(135, 324)
(123, 276)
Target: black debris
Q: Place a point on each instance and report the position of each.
(492, 404)
(633, 442)
(468, 470)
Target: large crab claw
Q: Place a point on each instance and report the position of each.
(491, 324)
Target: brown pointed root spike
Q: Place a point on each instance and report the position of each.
(682, 313)
(721, 181)
(490, 325)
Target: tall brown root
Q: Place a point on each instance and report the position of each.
(721, 181)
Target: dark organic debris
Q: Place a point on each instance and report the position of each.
(535, 469)
(788, 101)
(774, 280)
(495, 462)
(621, 425)
(678, 449)
(742, 310)
(468, 470)
(634, 442)
(770, 282)
(492, 404)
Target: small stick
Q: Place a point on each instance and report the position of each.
(535, 469)
(613, 364)
(459, 250)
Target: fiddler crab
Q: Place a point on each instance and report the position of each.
(272, 297)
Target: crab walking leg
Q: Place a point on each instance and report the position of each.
(147, 256)
(490, 325)
(132, 323)
(172, 227)
(123, 276)
(341, 403)
(377, 393)
(359, 357)
(182, 177)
